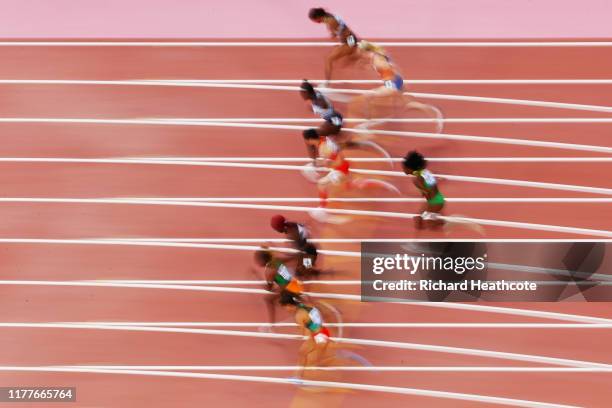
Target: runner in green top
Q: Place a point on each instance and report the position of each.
(415, 164)
(279, 279)
(308, 318)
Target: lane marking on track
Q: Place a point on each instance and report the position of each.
(387, 214)
(424, 135)
(383, 160)
(447, 369)
(331, 91)
(340, 296)
(377, 81)
(405, 120)
(368, 325)
(265, 166)
(385, 200)
(287, 381)
(466, 98)
(243, 85)
(364, 342)
(156, 81)
(302, 44)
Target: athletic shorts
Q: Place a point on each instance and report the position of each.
(397, 83)
(334, 177)
(322, 336)
(438, 199)
(335, 119)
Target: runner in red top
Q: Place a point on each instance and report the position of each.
(330, 156)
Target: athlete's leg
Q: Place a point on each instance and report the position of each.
(271, 300)
(328, 129)
(338, 52)
(431, 216)
(430, 110)
(303, 354)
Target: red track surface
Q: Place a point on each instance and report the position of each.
(39, 347)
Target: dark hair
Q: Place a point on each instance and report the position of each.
(288, 298)
(264, 256)
(310, 249)
(310, 134)
(316, 12)
(307, 87)
(415, 161)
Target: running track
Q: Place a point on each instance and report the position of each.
(51, 260)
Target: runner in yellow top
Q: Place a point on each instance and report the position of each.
(415, 164)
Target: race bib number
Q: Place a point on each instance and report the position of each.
(389, 84)
(429, 178)
(315, 316)
(336, 121)
(351, 40)
(307, 262)
(284, 272)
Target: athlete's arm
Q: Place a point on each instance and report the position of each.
(336, 161)
(420, 184)
(332, 26)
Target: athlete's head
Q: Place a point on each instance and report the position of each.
(367, 47)
(289, 300)
(311, 136)
(307, 91)
(278, 223)
(316, 14)
(262, 257)
(414, 161)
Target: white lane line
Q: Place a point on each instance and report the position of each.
(358, 240)
(369, 325)
(387, 214)
(160, 81)
(383, 160)
(381, 199)
(436, 369)
(302, 43)
(363, 342)
(265, 166)
(412, 81)
(257, 84)
(338, 200)
(341, 296)
(312, 383)
(424, 135)
(467, 98)
(405, 120)
(128, 242)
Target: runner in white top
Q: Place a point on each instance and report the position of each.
(338, 30)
